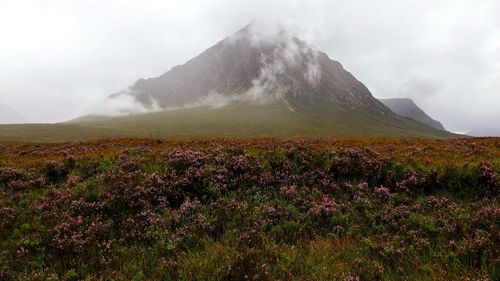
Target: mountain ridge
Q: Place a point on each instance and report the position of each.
(407, 108)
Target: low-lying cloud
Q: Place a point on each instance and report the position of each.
(119, 105)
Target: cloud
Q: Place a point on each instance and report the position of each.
(123, 104)
(288, 54)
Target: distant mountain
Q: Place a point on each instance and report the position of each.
(9, 115)
(485, 132)
(407, 108)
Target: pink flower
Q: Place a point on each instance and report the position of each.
(289, 191)
(383, 192)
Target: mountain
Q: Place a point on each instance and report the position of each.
(259, 82)
(9, 115)
(485, 132)
(253, 67)
(407, 108)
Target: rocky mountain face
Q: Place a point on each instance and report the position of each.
(407, 108)
(252, 67)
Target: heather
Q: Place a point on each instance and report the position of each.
(251, 209)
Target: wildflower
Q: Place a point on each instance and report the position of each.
(289, 191)
(383, 192)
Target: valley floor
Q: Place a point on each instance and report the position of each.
(251, 209)
(237, 120)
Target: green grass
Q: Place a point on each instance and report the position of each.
(237, 120)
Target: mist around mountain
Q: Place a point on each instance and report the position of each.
(9, 115)
(407, 108)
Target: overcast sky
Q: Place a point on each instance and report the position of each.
(60, 58)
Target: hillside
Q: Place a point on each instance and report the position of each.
(236, 120)
(407, 108)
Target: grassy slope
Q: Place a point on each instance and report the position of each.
(235, 120)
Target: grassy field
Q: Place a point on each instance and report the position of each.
(250, 209)
(236, 120)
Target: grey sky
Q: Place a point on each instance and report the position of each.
(59, 58)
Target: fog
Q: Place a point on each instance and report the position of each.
(61, 59)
